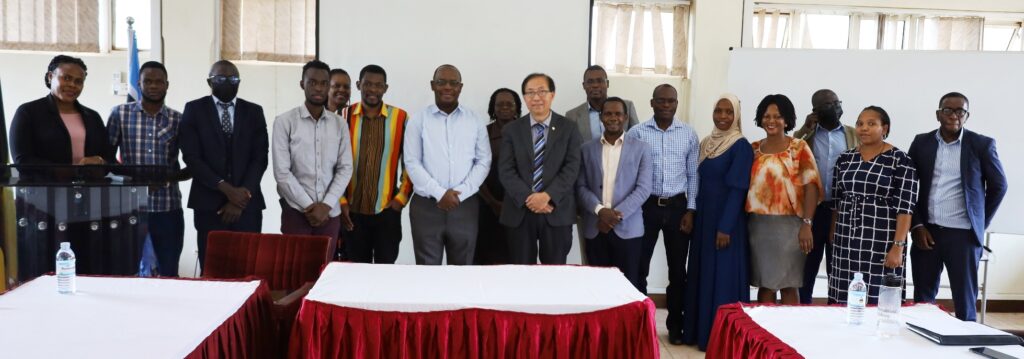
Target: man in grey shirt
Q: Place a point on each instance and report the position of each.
(312, 159)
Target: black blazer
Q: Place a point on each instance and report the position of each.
(38, 135)
(981, 177)
(204, 150)
(561, 166)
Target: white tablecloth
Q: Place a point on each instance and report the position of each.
(525, 289)
(115, 317)
(822, 332)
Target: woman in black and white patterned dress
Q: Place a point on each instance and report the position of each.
(875, 189)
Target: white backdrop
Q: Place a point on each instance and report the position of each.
(908, 85)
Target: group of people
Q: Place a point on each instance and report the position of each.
(733, 213)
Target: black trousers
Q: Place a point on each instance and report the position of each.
(375, 237)
(822, 248)
(665, 220)
(535, 236)
(251, 220)
(610, 250)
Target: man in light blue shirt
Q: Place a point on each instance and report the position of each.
(447, 155)
(828, 138)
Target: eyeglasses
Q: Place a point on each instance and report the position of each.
(946, 111)
(529, 94)
(221, 79)
(443, 83)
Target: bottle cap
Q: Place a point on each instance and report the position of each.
(858, 276)
(892, 280)
(65, 245)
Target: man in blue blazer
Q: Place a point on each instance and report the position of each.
(224, 141)
(962, 184)
(615, 180)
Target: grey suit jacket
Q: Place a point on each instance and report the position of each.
(633, 181)
(581, 116)
(561, 165)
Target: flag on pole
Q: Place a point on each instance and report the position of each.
(134, 91)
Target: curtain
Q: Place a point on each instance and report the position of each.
(633, 38)
(916, 32)
(268, 30)
(50, 25)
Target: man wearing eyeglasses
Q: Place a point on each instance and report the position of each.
(828, 138)
(538, 164)
(224, 142)
(962, 183)
(447, 156)
(587, 119)
(312, 160)
(371, 210)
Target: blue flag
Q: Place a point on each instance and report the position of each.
(134, 91)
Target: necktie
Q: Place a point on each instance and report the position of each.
(225, 116)
(538, 157)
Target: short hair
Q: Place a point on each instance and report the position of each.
(613, 99)
(551, 82)
(884, 117)
(594, 68)
(494, 99)
(152, 65)
(819, 93)
(338, 71)
(955, 95)
(222, 63)
(659, 87)
(315, 64)
(785, 109)
(60, 60)
(373, 69)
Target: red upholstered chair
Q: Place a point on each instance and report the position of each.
(289, 264)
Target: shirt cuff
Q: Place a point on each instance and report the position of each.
(916, 227)
(597, 210)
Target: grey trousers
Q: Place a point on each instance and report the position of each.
(436, 232)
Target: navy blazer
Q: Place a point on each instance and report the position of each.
(204, 150)
(38, 134)
(633, 181)
(561, 165)
(981, 174)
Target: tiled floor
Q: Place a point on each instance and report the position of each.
(1005, 321)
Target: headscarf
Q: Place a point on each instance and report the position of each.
(720, 141)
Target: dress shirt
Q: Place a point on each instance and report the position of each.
(675, 153)
(312, 158)
(447, 151)
(610, 153)
(546, 122)
(145, 139)
(946, 203)
(828, 145)
(596, 127)
(231, 109)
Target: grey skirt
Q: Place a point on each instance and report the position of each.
(776, 261)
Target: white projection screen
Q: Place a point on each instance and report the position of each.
(908, 85)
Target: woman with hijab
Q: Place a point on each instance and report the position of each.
(717, 267)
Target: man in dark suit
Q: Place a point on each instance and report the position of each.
(224, 141)
(962, 184)
(538, 164)
(614, 182)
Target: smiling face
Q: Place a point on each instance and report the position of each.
(870, 128)
(67, 82)
(595, 83)
(724, 115)
(613, 115)
(954, 121)
(664, 103)
(447, 85)
(372, 89)
(340, 90)
(538, 97)
(504, 107)
(772, 122)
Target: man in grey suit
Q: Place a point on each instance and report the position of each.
(538, 164)
(587, 119)
(615, 181)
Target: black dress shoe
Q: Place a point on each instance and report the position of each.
(675, 337)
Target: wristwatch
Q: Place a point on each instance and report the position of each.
(902, 243)
(808, 221)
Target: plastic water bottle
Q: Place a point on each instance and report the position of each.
(65, 269)
(890, 297)
(856, 299)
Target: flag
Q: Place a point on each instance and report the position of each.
(134, 91)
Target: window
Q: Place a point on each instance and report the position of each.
(138, 10)
(637, 38)
(865, 28)
(268, 30)
(71, 25)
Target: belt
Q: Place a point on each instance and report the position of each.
(677, 200)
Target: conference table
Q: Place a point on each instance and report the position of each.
(506, 311)
(130, 317)
(817, 331)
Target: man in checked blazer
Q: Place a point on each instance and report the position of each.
(538, 164)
